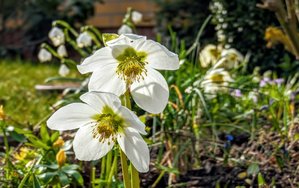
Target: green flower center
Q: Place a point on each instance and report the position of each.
(108, 125)
(217, 78)
(131, 65)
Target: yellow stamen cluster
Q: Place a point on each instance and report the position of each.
(131, 66)
(108, 125)
(217, 78)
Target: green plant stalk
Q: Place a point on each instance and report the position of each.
(93, 176)
(135, 181)
(7, 161)
(108, 164)
(113, 168)
(103, 164)
(124, 167)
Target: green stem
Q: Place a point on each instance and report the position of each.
(135, 177)
(135, 181)
(113, 168)
(6, 152)
(124, 167)
(103, 164)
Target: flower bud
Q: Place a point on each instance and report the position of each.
(124, 29)
(61, 50)
(58, 143)
(61, 157)
(2, 114)
(57, 36)
(63, 70)
(44, 55)
(84, 40)
(136, 17)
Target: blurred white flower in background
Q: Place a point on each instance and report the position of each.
(136, 17)
(57, 36)
(216, 80)
(61, 51)
(129, 62)
(44, 55)
(84, 40)
(103, 122)
(63, 70)
(230, 58)
(209, 55)
(124, 29)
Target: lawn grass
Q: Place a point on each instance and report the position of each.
(21, 101)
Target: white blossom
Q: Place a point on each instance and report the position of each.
(84, 40)
(102, 122)
(124, 29)
(63, 70)
(44, 55)
(57, 36)
(61, 51)
(129, 62)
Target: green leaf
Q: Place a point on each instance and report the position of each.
(260, 180)
(38, 143)
(36, 183)
(44, 133)
(70, 167)
(64, 180)
(77, 176)
(47, 177)
(253, 169)
(54, 136)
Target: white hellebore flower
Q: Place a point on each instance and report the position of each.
(216, 80)
(129, 62)
(63, 70)
(57, 36)
(136, 17)
(84, 40)
(230, 58)
(209, 55)
(103, 121)
(124, 29)
(61, 51)
(44, 55)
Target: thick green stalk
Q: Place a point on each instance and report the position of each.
(124, 167)
(134, 173)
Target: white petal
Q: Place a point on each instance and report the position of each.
(100, 58)
(87, 147)
(63, 70)
(124, 29)
(132, 120)
(135, 149)
(127, 39)
(151, 94)
(71, 116)
(105, 79)
(158, 56)
(97, 100)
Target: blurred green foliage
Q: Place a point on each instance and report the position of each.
(242, 23)
(36, 17)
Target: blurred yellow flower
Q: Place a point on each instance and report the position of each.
(58, 143)
(22, 154)
(61, 157)
(209, 55)
(2, 114)
(274, 35)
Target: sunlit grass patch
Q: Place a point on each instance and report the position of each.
(17, 93)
